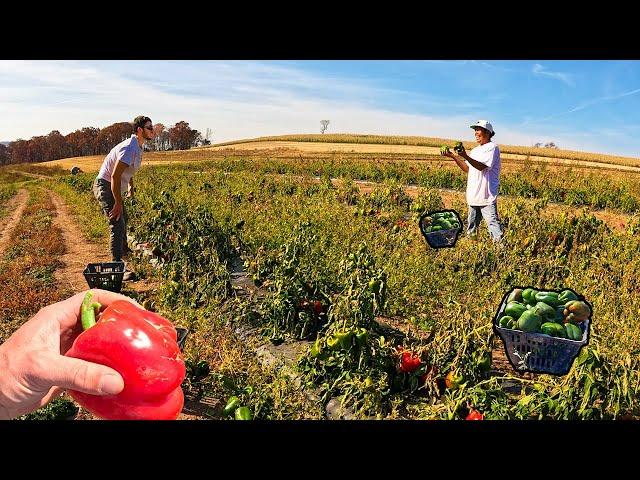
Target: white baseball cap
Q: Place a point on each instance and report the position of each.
(484, 124)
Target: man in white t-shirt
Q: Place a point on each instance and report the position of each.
(483, 167)
(115, 178)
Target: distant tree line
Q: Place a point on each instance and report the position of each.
(96, 141)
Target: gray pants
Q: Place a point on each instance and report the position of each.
(118, 234)
(490, 215)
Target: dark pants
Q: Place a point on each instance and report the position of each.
(118, 235)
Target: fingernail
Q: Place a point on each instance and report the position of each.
(110, 384)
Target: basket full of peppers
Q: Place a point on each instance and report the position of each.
(543, 330)
(440, 229)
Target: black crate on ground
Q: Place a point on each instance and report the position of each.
(105, 275)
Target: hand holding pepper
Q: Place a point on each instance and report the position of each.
(33, 368)
(142, 346)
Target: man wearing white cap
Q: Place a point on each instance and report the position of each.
(483, 167)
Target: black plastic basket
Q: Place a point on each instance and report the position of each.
(538, 352)
(105, 275)
(440, 238)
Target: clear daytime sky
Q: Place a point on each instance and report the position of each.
(580, 105)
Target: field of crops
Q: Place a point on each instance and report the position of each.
(350, 281)
(437, 142)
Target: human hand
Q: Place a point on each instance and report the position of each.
(33, 368)
(444, 150)
(459, 148)
(116, 211)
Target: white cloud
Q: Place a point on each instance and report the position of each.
(563, 77)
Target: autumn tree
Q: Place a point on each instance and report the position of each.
(182, 137)
(5, 154)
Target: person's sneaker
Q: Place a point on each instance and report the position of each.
(129, 276)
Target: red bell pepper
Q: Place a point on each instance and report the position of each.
(475, 415)
(141, 346)
(409, 363)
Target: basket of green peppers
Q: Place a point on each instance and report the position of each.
(441, 228)
(543, 330)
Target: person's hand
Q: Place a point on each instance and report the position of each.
(116, 211)
(130, 191)
(33, 368)
(459, 148)
(444, 150)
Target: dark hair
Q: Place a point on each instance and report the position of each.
(139, 121)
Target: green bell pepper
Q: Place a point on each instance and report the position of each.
(361, 336)
(550, 298)
(231, 406)
(559, 318)
(573, 331)
(316, 349)
(505, 321)
(484, 363)
(529, 321)
(515, 309)
(529, 296)
(243, 413)
(333, 342)
(553, 329)
(546, 312)
(566, 296)
(345, 338)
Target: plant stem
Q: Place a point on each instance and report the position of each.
(88, 311)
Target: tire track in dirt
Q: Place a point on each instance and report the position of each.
(17, 204)
(78, 250)
(78, 253)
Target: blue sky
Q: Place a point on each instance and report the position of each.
(580, 105)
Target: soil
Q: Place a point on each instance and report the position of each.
(16, 205)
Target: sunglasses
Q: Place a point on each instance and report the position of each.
(149, 128)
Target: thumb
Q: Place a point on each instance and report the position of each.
(75, 374)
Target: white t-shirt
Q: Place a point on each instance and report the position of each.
(129, 152)
(482, 186)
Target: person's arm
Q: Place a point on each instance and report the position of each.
(460, 160)
(474, 163)
(116, 176)
(33, 368)
(131, 190)
(463, 166)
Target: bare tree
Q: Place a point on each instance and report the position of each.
(207, 137)
(537, 145)
(550, 145)
(324, 124)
